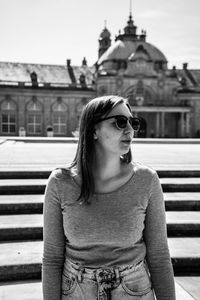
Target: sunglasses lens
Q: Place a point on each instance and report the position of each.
(135, 124)
(121, 122)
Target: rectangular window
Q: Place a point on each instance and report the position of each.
(34, 123)
(30, 118)
(12, 128)
(30, 128)
(12, 118)
(4, 118)
(5, 128)
(59, 123)
(8, 124)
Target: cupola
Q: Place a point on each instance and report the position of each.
(104, 40)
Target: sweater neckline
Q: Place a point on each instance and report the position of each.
(119, 189)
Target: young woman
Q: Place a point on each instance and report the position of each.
(104, 218)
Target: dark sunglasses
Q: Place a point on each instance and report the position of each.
(122, 121)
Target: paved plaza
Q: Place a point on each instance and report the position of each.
(47, 154)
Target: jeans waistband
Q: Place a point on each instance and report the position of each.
(93, 273)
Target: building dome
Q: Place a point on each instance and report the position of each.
(131, 45)
(105, 33)
(122, 50)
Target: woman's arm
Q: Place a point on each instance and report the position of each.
(54, 242)
(155, 235)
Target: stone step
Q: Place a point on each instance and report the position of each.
(22, 260)
(21, 290)
(21, 227)
(178, 173)
(21, 204)
(30, 226)
(33, 204)
(180, 184)
(190, 284)
(183, 223)
(37, 186)
(182, 201)
(32, 289)
(35, 174)
(185, 255)
(28, 174)
(22, 186)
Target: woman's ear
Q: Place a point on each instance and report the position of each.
(95, 133)
(95, 136)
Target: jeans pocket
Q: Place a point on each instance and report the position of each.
(137, 283)
(68, 284)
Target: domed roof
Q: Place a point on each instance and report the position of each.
(105, 33)
(123, 50)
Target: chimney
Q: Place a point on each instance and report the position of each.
(71, 71)
(185, 65)
(84, 62)
(68, 62)
(34, 79)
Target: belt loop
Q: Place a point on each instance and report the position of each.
(80, 275)
(117, 275)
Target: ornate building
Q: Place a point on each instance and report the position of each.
(38, 100)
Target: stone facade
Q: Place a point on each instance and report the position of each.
(47, 100)
(39, 106)
(167, 101)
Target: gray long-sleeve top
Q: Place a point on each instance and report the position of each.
(118, 228)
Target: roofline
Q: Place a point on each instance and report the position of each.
(42, 64)
(30, 87)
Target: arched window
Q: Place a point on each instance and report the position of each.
(140, 95)
(34, 117)
(8, 117)
(59, 117)
(79, 109)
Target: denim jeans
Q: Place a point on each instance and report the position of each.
(129, 282)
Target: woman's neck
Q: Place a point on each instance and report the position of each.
(105, 167)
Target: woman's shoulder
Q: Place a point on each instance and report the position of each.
(61, 174)
(144, 169)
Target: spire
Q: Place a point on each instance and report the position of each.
(105, 32)
(104, 39)
(130, 31)
(130, 8)
(130, 21)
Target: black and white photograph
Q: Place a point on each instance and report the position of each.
(100, 150)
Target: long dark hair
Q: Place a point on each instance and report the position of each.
(84, 158)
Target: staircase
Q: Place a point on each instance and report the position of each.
(21, 204)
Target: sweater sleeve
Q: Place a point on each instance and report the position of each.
(155, 236)
(54, 242)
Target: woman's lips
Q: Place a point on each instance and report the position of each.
(126, 141)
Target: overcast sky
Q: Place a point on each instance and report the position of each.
(51, 31)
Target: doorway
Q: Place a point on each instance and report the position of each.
(142, 133)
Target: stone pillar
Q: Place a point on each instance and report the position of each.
(182, 125)
(157, 124)
(162, 124)
(187, 124)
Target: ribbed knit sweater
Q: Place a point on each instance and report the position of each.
(118, 228)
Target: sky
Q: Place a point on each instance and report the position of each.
(52, 31)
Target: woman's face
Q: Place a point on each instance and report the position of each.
(110, 139)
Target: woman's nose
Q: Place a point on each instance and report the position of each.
(129, 125)
(129, 128)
